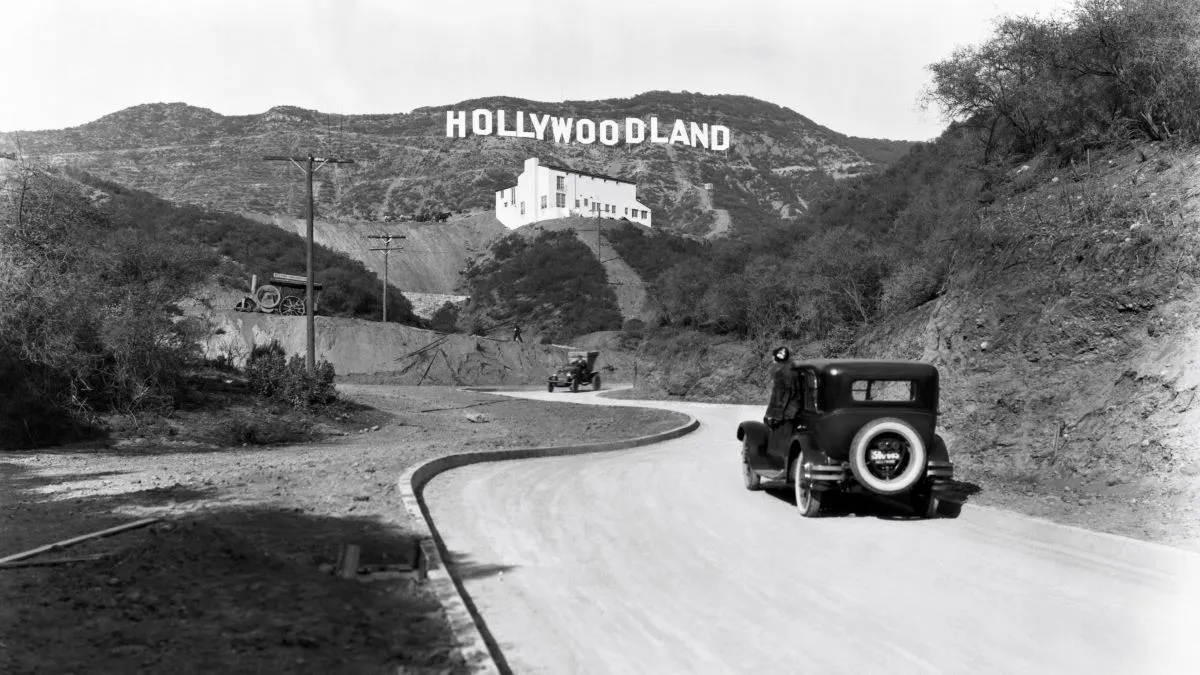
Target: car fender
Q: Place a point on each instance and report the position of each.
(938, 451)
(803, 446)
(753, 434)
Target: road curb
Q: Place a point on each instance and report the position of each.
(476, 646)
(1129, 552)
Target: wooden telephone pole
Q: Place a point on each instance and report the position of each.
(600, 242)
(387, 248)
(308, 168)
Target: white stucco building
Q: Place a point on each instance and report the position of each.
(544, 191)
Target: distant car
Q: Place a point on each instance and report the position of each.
(580, 370)
(860, 426)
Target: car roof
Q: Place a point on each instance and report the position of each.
(878, 369)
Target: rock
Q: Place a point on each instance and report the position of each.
(362, 498)
(325, 568)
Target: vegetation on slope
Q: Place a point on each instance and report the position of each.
(250, 247)
(882, 244)
(88, 324)
(551, 285)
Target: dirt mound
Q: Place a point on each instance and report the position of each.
(404, 354)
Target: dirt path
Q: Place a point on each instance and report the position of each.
(658, 561)
(233, 581)
(723, 223)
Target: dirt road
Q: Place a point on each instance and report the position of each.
(657, 561)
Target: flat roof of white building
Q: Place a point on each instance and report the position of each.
(555, 167)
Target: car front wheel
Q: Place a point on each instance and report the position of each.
(550, 387)
(750, 477)
(808, 500)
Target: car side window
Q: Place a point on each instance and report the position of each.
(882, 390)
(810, 392)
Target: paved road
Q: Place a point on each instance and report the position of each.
(657, 561)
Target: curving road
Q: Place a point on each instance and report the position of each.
(657, 561)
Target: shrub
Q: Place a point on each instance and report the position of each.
(274, 376)
(445, 319)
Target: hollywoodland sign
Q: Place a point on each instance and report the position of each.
(568, 129)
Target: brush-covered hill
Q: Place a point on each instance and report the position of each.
(778, 163)
(1042, 252)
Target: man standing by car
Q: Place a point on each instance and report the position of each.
(786, 395)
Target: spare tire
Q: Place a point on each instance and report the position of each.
(872, 473)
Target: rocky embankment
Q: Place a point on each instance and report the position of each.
(390, 352)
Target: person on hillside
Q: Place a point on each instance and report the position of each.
(517, 334)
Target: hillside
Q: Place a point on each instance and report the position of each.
(434, 254)
(778, 163)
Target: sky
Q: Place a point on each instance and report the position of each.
(855, 66)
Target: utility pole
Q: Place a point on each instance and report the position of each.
(599, 242)
(387, 248)
(309, 169)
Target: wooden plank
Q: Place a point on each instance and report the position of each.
(349, 560)
(47, 562)
(71, 542)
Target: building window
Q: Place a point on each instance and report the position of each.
(561, 183)
(585, 203)
(522, 208)
(560, 200)
(512, 195)
(626, 210)
(543, 201)
(576, 203)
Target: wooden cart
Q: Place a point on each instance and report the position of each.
(283, 295)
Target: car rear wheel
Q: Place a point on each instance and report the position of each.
(550, 387)
(596, 383)
(924, 503)
(887, 456)
(808, 500)
(575, 386)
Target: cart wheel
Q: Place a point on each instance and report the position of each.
(246, 304)
(268, 297)
(292, 306)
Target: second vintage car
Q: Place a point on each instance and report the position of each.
(851, 426)
(579, 370)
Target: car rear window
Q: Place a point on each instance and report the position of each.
(882, 390)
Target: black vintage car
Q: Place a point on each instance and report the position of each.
(852, 426)
(580, 370)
